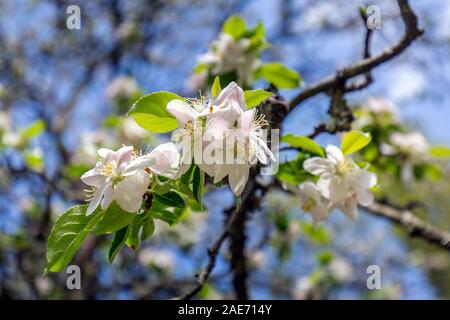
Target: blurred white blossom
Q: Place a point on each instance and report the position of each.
(227, 54)
(163, 258)
(122, 87)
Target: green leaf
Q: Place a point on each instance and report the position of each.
(200, 68)
(293, 172)
(133, 239)
(113, 219)
(304, 143)
(35, 129)
(34, 160)
(148, 229)
(215, 89)
(198, 184)
(75, 171)
(279, 75)
(187, 176)
(118, 241)
(257, 38)
(66, 236)
(253, 98)
(440, 151)
(161, 212)
(150, 112)
(354, 141)
(170, 199)
(235, 26)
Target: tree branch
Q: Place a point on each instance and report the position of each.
(415, 226)
(412, 32)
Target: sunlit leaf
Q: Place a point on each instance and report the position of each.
(254, 98)
(304, 143)
(150, 112)
(279, 75)
(67, 235)
(235, 26)
(440, 151)
(113, 219)
(354, 141)
(215, 89)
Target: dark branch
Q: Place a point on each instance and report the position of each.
(412, 32)
(415, 226)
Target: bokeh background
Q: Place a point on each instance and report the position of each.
(78, 81)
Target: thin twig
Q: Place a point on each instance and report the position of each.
(412, 32)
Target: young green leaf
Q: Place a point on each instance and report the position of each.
(170, 199)
(440, 151)
(133, 239)
(66, 236)
(118, 241)
(35, 129)
(150, 112)
(354, 141)
(279, 75)
(304, 143)
(114, 218)
(187, 176)
(235, 26)
(161, 212)
(198, 184)
(253, 98)
(215, 89)
(148, 229)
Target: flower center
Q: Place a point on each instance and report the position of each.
(344, 167)
(259, 122)
(308, 205)
(110, 171)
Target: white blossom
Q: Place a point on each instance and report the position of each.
(341, 181)
(247, 149)
(413, 143)
(379, 105)
(122, 87)
(227, 55)
(123, 177)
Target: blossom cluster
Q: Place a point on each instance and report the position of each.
(341, 184)
(224, 132)
(221, 136)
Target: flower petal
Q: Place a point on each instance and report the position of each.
(108, 197)
(123, 156)
(350, 210)
(93, 178)
(246, 119)
(104, 152)
(339, 190)
(363, 179)
(182, 111)
(232, 92)
(318, 166)
(238, 178)
(334, 154)
(95, 201)
(164, 160)
(365, 197)
(129, 192)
